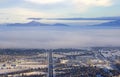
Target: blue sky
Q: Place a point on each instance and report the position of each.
(19, 10)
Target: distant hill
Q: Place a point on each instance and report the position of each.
(110, 24)
(59, 24)
(33, 23)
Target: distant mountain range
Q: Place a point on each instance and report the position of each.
(115, 23)
(33, 23)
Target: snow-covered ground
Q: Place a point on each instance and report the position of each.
(23, 65)
(111, 53)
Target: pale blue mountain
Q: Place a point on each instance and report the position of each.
(115, 23)
(32, 23)
(60, 24)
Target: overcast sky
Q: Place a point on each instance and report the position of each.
(19, 10)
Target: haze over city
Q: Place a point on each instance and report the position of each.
(66, 32)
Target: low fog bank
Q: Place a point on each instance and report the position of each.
(58, 38)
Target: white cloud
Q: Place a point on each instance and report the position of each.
(9, 15)
(76, 2)
(80, 2)
(20, 14)
(93, 2)
(44, 1)
(84, 5)
(75, 5)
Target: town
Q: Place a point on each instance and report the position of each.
(83, 62)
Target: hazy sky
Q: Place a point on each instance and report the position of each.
(12, 11)
(19, 10)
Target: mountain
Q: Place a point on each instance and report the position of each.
(33, 23)
(59, 24)
(110, 24)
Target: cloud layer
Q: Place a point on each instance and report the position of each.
(43, 37)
